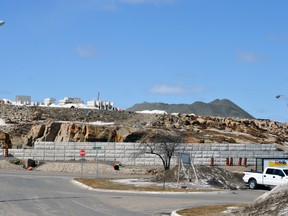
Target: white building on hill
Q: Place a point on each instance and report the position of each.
(68, 100)
(23, 100)
(102, 105)
(49, 101)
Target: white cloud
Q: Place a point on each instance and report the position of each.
(165, 89)
(175, 90)
(148, 1)
(107, 5)
(249, 57)
(134, 1)
(87, 51)
(114, 5)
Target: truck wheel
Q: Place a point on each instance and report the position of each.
(252, 184)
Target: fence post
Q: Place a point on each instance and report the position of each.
(212, 162)
(240, 161)
(231, 161)
(245, 161)
(6, 152)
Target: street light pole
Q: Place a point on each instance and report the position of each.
(6, 154)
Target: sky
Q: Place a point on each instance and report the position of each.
(131, 51)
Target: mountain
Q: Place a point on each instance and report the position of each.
(221, 108)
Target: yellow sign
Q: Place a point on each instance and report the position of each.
(279, 163)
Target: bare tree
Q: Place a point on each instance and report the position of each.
(164, 146)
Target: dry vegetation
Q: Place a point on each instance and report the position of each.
(207, 210)
(106, 183)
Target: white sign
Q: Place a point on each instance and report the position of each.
(277, 162)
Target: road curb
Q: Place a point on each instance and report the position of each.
(146, 192)
(174, 213)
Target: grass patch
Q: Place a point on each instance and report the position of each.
(106, 183)
(207, 210)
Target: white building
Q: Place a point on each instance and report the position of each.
(68, 100)
(23, 100)
(49, 101)
(102, 105)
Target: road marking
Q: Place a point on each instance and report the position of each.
(85, 206)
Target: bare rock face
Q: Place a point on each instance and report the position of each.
(5, 141)
(200, 130)
(26, 125)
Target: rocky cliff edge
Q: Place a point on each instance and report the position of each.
(23, 125)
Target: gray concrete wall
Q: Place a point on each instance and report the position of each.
(201, 154)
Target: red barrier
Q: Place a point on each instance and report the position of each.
(245, 162)
(227, 161)
(212, 162)
(231, 161)
(240, 162)
(6, 153)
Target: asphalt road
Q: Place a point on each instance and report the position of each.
(32, 193)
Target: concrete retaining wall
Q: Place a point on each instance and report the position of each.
(125, 153)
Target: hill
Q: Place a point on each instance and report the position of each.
(220, 108)
(21, 126)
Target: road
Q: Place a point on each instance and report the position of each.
(33, 193)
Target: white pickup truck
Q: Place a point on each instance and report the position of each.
(272, 176)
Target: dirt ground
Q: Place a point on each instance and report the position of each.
(197, 177)
(209, 178)
(204, 176)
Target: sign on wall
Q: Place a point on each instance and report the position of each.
(262, 163)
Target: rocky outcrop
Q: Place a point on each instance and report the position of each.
(193, 129)
(231, 130)
(29, 124)
(5, 141)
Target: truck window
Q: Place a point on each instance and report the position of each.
(275, 172)
(279, 172)
(270, 171)
(286, 172)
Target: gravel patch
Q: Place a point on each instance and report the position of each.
(4, 164)
(89, 168)
(208, 177)
(75, 167)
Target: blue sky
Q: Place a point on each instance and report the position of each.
(170, 51)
